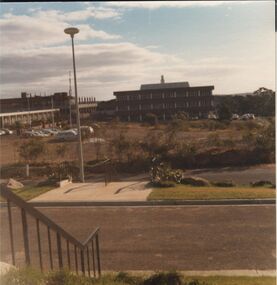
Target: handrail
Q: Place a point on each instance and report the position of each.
(99, 163)
(90, 237)
(82, 247)
(9, 195)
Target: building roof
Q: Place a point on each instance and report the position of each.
(31, 112)
(184, 84)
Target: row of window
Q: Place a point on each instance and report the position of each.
(164, 116)
(164, 95)
(167, 105)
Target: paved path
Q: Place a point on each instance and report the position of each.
(240, 175)
(133, 189)
(152, 238)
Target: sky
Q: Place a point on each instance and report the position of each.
(121, 45)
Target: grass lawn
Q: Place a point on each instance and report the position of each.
(185, 192)
(30, 192)
(238, 280)
(31, 276)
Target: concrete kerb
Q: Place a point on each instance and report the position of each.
(154, 203)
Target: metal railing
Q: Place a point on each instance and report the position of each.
(88, 251)
(108, 169)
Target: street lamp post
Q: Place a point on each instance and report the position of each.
(72, 31)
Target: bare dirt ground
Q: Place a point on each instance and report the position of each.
(162, 238)
(10, 144)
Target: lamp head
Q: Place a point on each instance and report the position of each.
(71, 31)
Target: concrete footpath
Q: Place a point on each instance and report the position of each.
(133, 189)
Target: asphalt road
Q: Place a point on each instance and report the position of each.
(164, 238)
(239, 175)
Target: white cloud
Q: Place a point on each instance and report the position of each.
(81, 15)
(42, 29)
(104, 68)
(171, 4)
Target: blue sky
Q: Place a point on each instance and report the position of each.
(228, 44)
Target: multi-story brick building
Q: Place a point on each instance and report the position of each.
(164, 100)
(37, 104)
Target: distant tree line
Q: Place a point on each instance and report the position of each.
(261, 103)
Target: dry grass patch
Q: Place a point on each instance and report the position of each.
(184, 192)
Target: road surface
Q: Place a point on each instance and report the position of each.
(239, 175)
(164, 238)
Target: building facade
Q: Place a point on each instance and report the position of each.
(26, 118)
(164, 100)
(31, 105)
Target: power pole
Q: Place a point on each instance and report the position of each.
(52, 103)
(29, 113)
(70, 92)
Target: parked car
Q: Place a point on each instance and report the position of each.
(248, 117)
(235, 117)
(7, 131)
(50, 132)
(90, 129)
(2, 133)
(40, 133)
(68, 135)
(84, 128)
(29, 133)
(212, 117)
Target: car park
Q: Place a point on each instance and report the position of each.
(29, 133)
(50, 132)
(68, 135)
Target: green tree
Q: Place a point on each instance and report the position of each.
(61, 150)
(224, 112)
(18, 128)
(151, 119)
(31, 150)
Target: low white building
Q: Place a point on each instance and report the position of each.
(26, 117)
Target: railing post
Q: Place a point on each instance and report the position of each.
(98, 255)
(50, 247)
(11, 231)
(82, 261)
(76, 259)
(68, 255)
(88, 261)
(25, 237)
(39, 245)
(93, 257)
(59, 246)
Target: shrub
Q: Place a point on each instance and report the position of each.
(151, 119)
(67, 278)
(163, 184)
(195, 181)
(261, 183)
(213, 140)
(164, 278)
(224, 184)
(195, 282)
(25, 276)
(127, 278)
(162, 172)
(31, 150)
(62, 171)
(248, 138)
(224, 112)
